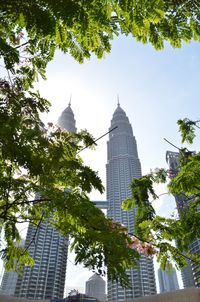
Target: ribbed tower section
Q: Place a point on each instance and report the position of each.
(123, 164)
(66, 120)
(46, 279)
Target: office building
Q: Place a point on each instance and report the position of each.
(9, 280)
(46, 279)
(96, 287)
(191, 273)
(66, 119)
(168, 281)
(8, 283)
(123, 164)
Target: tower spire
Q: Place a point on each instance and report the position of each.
(66, 119)
(122, 158)
(118, 104)
(70, 100)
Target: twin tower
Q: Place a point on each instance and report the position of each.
(46, 280)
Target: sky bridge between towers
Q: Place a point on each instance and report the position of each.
(101, 204)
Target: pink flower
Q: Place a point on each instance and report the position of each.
(18, 38)
(145, 248)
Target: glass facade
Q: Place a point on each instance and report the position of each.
(46, 279)
(123, 164)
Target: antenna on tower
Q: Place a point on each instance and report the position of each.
(70, 100)
(118, 104)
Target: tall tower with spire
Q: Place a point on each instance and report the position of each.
(123, 164)
(46, 279)
(66, 120)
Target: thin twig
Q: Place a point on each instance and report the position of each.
(197, 125)
(34, 236)
(71, 261)
(166, 193)
(22, 45)
(97, 139)
(172, 144)
(7, 206)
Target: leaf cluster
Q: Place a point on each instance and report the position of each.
(187, 129)
(82, 28)
(142, 191)
(161, 232)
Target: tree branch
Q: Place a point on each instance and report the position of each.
(23, 44)
(7, 206)
(172, 144)
(97, 139)
(34, 236)
(166, 193)
(196, 124)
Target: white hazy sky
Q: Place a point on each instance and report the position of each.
(155, 89)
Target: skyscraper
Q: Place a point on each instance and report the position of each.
(8, 283)
(168, 281)
(191, 273)
(122, 165)
(66, 119)
(9, 280)
(95, 287)
(46, 279)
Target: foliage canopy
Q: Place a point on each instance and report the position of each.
(82, 28)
